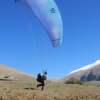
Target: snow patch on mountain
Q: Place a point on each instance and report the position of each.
(86, 67)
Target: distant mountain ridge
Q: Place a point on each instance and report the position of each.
(87, 67)
(90, 72)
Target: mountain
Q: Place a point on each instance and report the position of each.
(90, 72)
(10, 73)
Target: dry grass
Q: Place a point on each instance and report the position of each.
(26, 90)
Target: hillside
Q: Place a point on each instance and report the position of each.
(87, 73)
(25, 88)
(90, 72)
(14, 74)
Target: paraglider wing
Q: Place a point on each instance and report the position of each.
(48, 14)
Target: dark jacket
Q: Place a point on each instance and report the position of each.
(41, 77)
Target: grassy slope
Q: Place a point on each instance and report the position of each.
(26, 90)
(8, 71)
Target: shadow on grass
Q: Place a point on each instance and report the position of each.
(30, 88)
